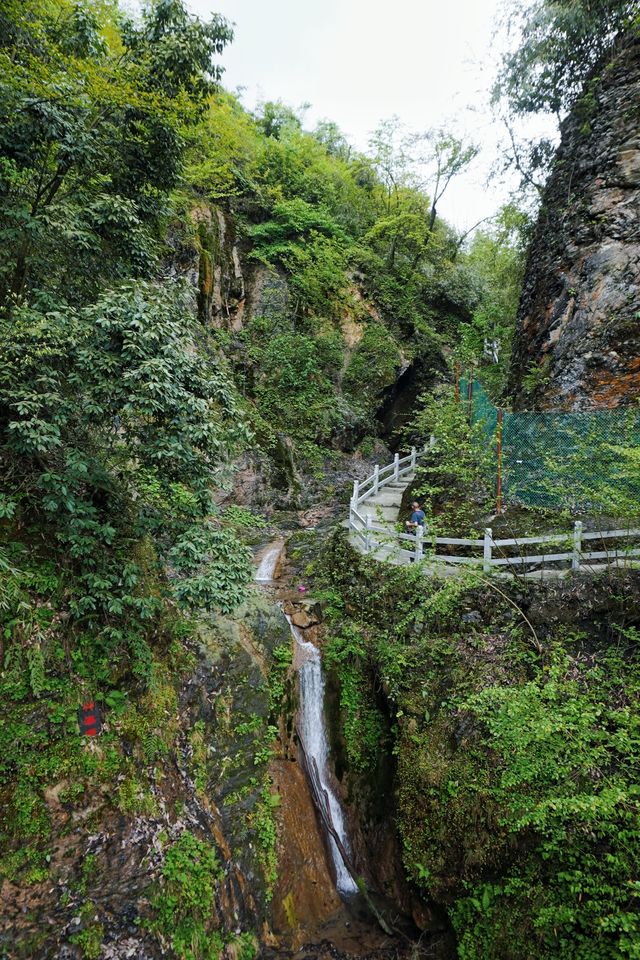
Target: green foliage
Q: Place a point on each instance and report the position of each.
(244, 518)
(160, 419)
(516, 787)
(263, 822)
(335, 225)
(184, 901)
(554, 62)
(560, 43)
(90, 938)
(92, 110)
(292, 384)
(363, 725)
(567, 763)
(373, 365)
(497, 258)
(282, 656)
(453, 479)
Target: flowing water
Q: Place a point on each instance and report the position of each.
(267, 567)
(314, 739)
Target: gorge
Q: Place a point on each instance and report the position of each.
(213, 321)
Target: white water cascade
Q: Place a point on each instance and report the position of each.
(314, 739)
(267, 567)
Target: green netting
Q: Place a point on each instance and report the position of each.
(586, 461)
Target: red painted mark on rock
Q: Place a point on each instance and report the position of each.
(89, 719)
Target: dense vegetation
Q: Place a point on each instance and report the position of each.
(374, 279)
(516, 784)
(559, 50)
(132, 384)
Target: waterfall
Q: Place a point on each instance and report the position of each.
(266, 569)
(314, 738)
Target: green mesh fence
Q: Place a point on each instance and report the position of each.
(580, 461)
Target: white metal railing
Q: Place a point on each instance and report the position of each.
(489, 553)
(382, 476)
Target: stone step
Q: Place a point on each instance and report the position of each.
(392, 498)
(375, 510)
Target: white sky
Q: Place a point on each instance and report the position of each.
(357, 62)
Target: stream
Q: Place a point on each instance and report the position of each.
(323, 913)
(267, 566)
(313, 734)
(313, 731)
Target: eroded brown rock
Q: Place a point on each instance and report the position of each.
(578, 327)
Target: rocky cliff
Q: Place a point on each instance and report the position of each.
(577, 343)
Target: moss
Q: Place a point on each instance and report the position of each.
(209, 253)
(501, 807)
(89, 940)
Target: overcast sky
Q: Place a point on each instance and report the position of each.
(357, 62)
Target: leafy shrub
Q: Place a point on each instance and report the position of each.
(452, 477)
(373, 365)
(184, 902)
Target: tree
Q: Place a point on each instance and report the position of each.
(91, 120)
(560, 43)
(497, 258)
(274, 118)
(113, 423)
(389, 151)
(332, 138)
(448, 156)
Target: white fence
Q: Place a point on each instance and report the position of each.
(502, 555)
(382, 476)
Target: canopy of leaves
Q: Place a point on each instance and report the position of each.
(116, 419)
(560, 44)
(92, 112)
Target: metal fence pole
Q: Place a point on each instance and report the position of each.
(376, 478)
(577, 545)
(488, 539)
(413, 457)
(356, 493)
(499, 464)
(367, 542)
(396, 466)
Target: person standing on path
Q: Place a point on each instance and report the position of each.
(417, 518)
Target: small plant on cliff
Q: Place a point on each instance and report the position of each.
(184, 903)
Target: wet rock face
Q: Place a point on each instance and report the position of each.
(578, 331)
(107, 858)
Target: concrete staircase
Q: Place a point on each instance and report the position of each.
(384, 510)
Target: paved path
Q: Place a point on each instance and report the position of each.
(384, 510)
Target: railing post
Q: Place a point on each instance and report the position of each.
(577, 545)
(419, 542)
(376, 478)
(396, 466)
(499, 462)
(356, 493)
(367, 542)
(413, 457)
(488, 539)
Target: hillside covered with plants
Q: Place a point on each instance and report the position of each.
(212, 320)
